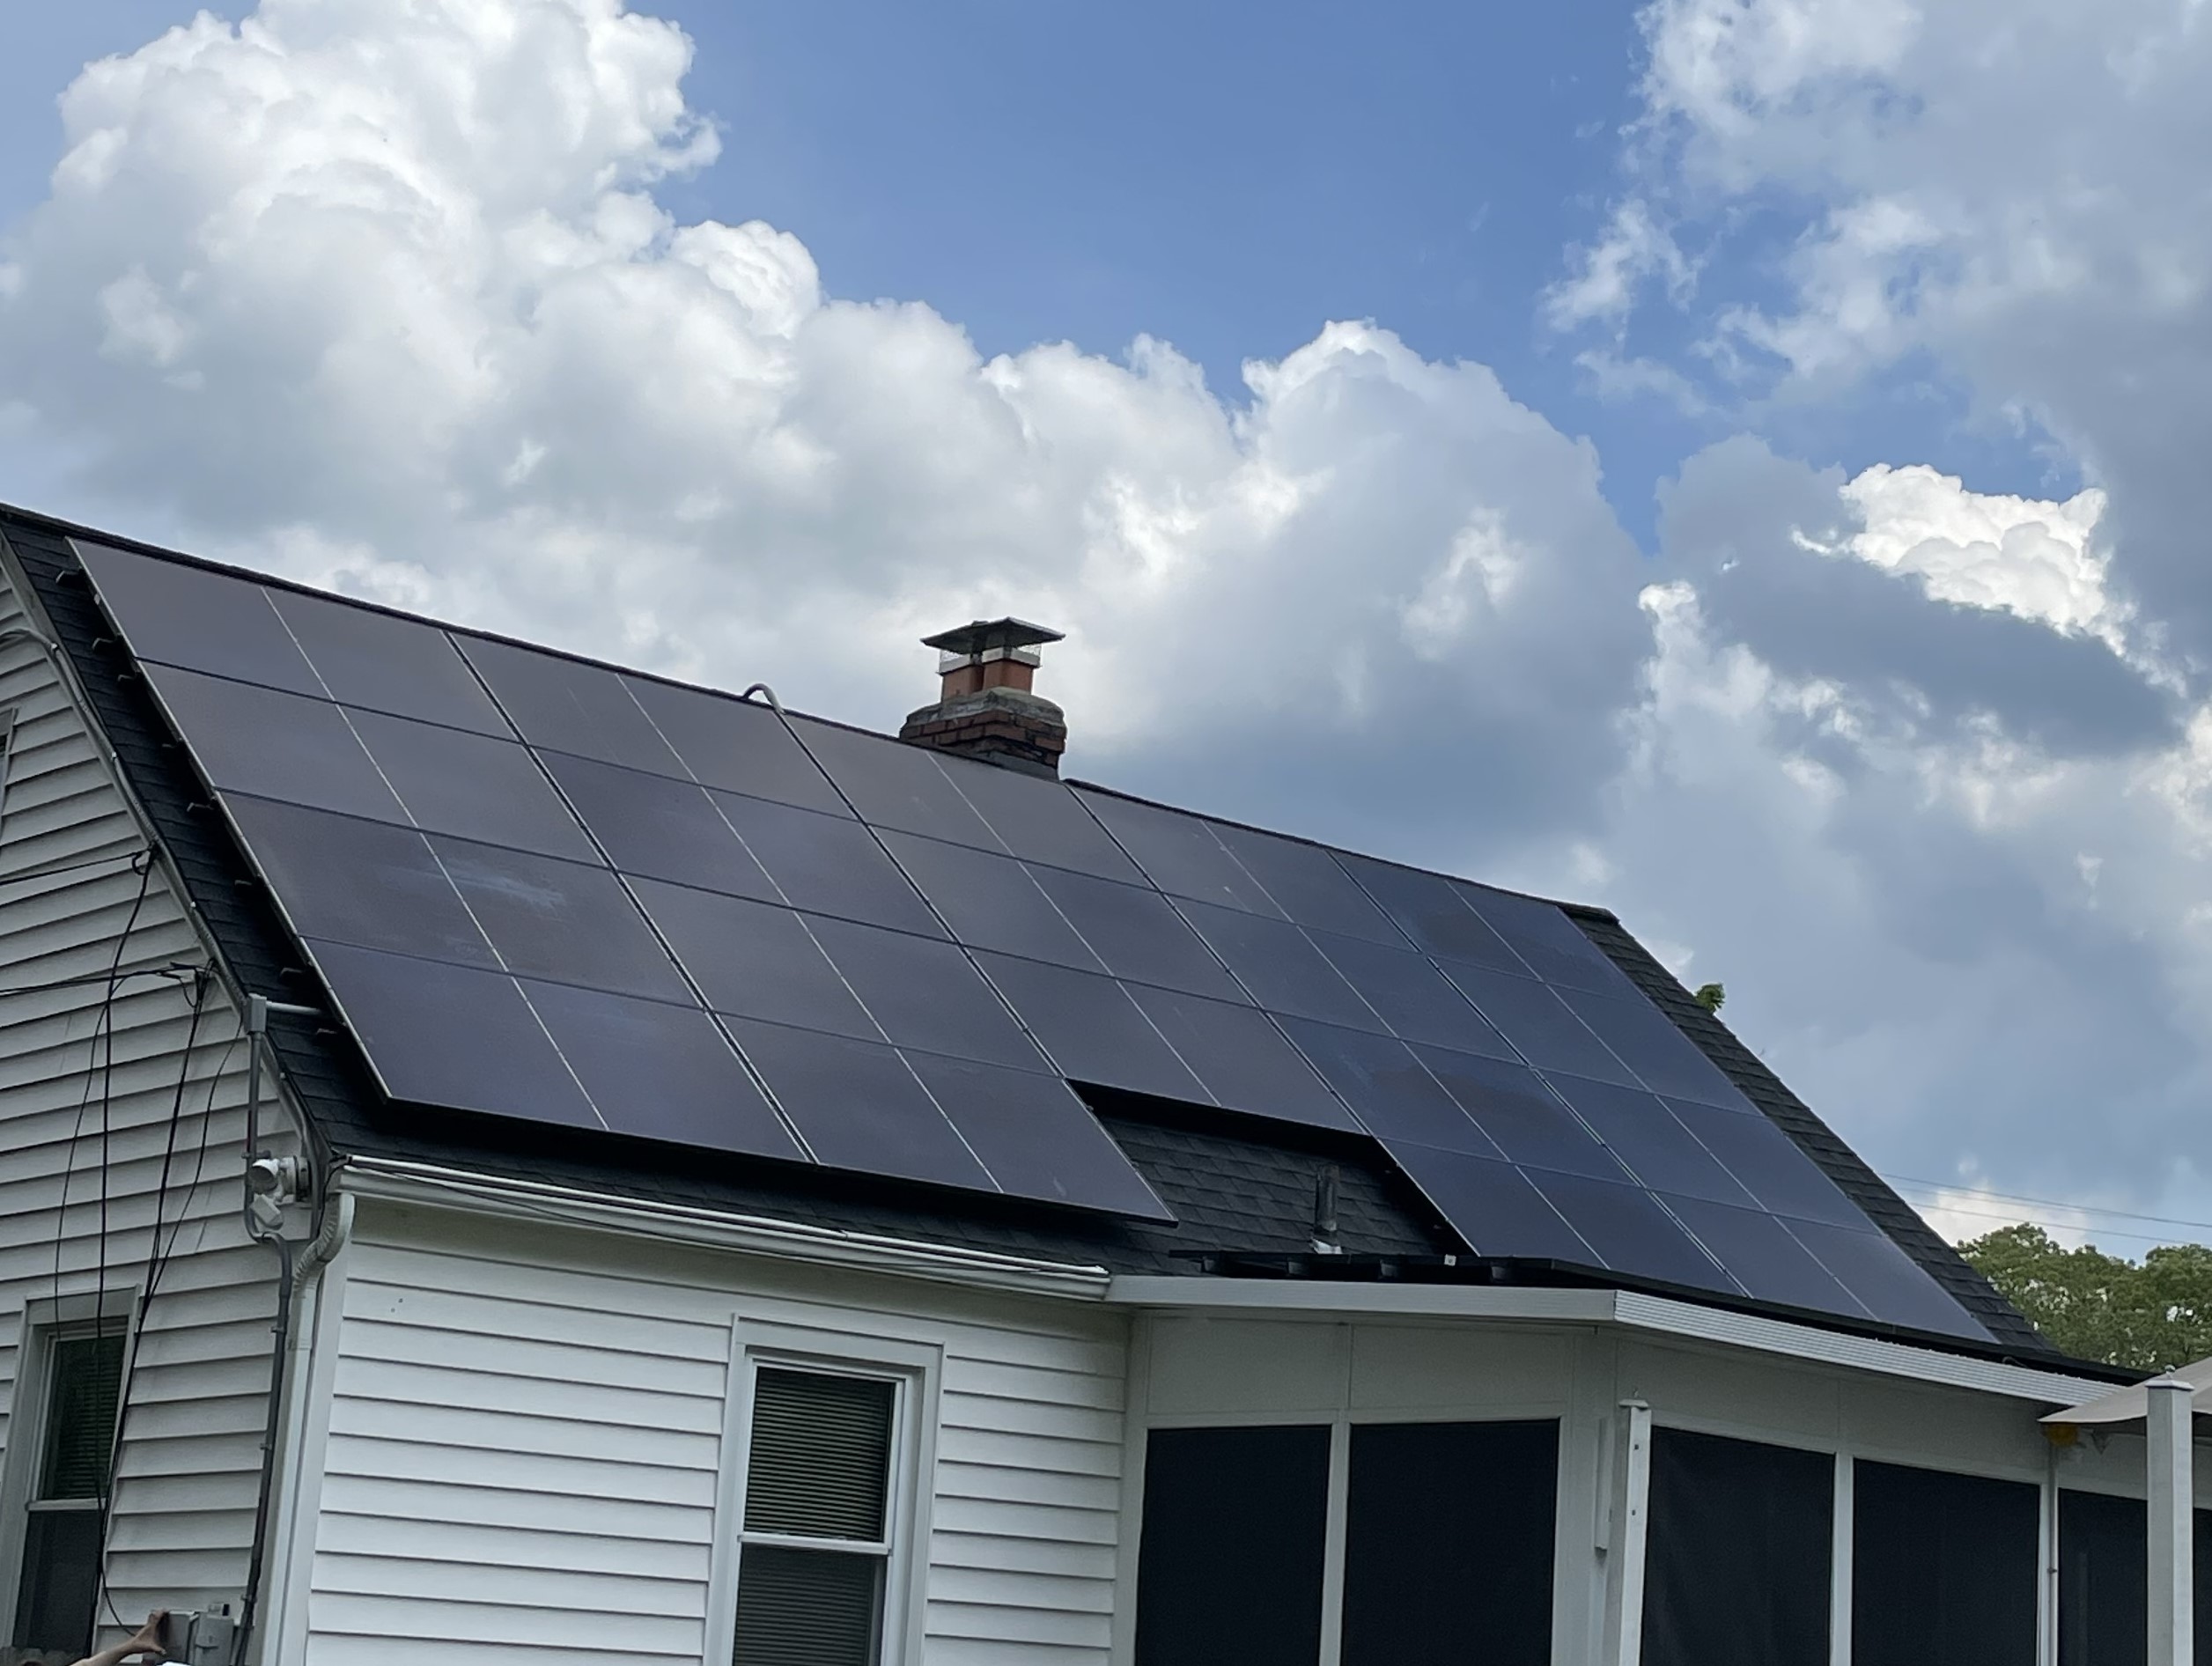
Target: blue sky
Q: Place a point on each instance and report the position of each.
(1090, 175)
(1801, 652)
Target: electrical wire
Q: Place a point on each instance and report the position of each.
(1951, 1190)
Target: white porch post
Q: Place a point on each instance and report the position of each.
(1629, 1543)
(2172, 1493)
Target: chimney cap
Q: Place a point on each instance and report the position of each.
(991, 636)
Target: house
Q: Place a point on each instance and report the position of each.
(511, 1160)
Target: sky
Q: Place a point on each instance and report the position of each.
(1735, 461)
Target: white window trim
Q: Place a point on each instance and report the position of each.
(44, 1322)
(918, 1371)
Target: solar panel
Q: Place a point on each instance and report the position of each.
(895, 786)
(1527, 1122)
(1767, 1163)
(1547, 941)
(990, 901)
(1631, 1231)
(369, 884)
(925, 993)
(1309, 884)
(1884, 1279)
(1391, 1091)
(1432, 914)
(1541, 1027)
(1408, 994)
(1137, 934)
(659, 1072)
(560, 921)
(1036, 1136)
(1666, 1060)
(570, 706)
(1280, 966)
(660, 828)
(472, 786)
(1093, 1029)
(380, 663)
(1037, 819)
(1491, 1204)
(1179, 854)
(1242, 1058)
(453, 1036)
(755, 960)
(827, 865)
(736, 745)
(248, 739)
(1760, 1251)
(1647, 1136)
(859, 1106)
(184, 615)
(907, 993)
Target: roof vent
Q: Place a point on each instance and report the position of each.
(986, 708)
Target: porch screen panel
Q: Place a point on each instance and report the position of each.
(1228, 1571)
(2104, 1568)
(1449, 1544)
(1942, 1568)
(1737, 1558)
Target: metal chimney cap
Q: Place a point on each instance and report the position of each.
(989, 636)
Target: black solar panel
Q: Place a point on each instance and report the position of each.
(380, 663)
(658, 912)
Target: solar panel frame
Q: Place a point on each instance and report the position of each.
(989, 902)
(1532, 1125)
(1492, 1206)
(892, 785)
(1136, 934)
(1179, 854)
(828, 864)
(1539, 1024)
(1092, 1029)
(1039, 820)
(1631, 1231)
(1242, 1059)
(1277, 964)
(1388, 1089)
(924, 992)
(756, 960)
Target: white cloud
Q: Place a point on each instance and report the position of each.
(384, 297)
(1605, 276)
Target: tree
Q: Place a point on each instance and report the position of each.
(2149, 1315)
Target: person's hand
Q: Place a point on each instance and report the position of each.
(146, 1641)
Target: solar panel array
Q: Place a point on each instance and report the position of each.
(544, 889)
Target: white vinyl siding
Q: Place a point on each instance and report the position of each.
(184, 1503)
(526, 1457)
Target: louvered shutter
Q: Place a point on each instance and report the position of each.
(819, 1468)
(80, 1416)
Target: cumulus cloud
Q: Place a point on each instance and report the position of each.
(385, 297)
(388, 300)
(2008, 192)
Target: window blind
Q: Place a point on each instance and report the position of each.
(80, 1416)
(821, 1455)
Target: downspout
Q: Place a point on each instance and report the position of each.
(337, 1230)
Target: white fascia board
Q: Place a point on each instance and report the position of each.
(433, 1186)
(1629, 1309)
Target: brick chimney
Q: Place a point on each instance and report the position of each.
(986, 708)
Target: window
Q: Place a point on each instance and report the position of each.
(1229, 1567)
(75, 1412)
(815, 1562)
(1739, 1552)
(1942, 1567)
(2103, 1563)
(1448, 1532)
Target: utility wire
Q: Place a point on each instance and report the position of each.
(2046, 1203)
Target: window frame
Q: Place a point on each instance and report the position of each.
(45, 1322)
(915, 1371)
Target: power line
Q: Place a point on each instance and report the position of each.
(2047, 1203)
